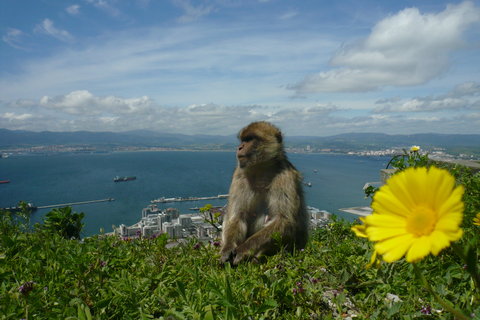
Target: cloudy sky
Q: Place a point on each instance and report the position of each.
(312, 67)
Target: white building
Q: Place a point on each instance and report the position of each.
(185, 221)
(168, 228)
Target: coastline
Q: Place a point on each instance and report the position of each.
(55, 150)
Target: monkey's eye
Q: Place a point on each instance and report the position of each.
(248, 138)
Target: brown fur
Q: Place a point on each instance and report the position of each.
(266, 209)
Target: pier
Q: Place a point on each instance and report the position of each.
(32, 207)
(74, 203)
(181, 199)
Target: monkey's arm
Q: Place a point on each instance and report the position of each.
(234, 229)
(234, 233)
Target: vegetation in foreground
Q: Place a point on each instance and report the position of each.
(46, 273)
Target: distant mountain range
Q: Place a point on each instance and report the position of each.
(9, 138)
(143, 138)
(386, 140)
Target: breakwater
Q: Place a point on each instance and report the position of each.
(74, 203)
(181, 199)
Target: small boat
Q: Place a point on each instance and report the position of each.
(4, 181)
(121, 179)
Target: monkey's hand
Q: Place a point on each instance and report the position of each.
(227, 255)
(242, 253)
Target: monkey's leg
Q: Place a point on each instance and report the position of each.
(267, 240)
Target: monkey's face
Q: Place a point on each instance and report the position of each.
(247, 151)
(260, 142)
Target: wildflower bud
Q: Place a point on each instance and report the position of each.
(26, 288)
(426, 310)
(197, 246)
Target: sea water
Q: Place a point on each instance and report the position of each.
(336, 182)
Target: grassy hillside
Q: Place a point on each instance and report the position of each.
(45, 276)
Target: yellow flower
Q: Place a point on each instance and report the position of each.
(360, 229)
(417, 212)
(415, 148)
(476, 220)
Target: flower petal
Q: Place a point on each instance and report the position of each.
(385, 221)
(449, 222)
(420, 248)
(439, 241)
(379, 234)
(385, 201)
(399, 186)
(394, 248)
(359, 230)
(441, 183)
(453, 203)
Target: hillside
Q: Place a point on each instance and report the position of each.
(47, 274)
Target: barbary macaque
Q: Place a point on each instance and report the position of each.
(266, 210)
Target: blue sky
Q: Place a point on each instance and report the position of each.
(212, 66)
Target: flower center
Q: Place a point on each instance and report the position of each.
(421, 221)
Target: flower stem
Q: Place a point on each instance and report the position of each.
(470, 260)
(446, 304)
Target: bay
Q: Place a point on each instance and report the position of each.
(337, 182)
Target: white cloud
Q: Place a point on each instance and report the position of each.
(192, 12)
(106, 6)
(462, 97)
(82, 110)
(47, 27)
(83, 103)
(14, 38)
(10, 116)
(405, 49)
(73, 9)
(289, 15)
(470, 88)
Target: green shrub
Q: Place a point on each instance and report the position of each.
(64, 222)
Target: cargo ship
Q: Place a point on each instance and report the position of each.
(121, 179)
(4, 181)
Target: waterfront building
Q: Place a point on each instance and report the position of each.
(178, 231)
(168, 228)
(185, 221)
(155, 221)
